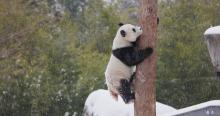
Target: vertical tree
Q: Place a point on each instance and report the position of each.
(146, 71)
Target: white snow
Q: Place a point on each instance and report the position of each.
(212, 30)
(195, 107)
(100, 103)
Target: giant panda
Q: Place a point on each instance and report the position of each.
(124, 57)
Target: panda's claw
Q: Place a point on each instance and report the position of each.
(132, 77)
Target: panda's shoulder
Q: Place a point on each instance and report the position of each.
(123, 53)
(123, 50)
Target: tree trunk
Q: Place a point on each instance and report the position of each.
(145, 101)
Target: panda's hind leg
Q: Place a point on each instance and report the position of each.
(125, 91)
(132, 77)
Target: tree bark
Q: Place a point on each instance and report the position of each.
(145, 96)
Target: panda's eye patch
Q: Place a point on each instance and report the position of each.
(133, 29)
(123, 33)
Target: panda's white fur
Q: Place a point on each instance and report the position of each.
(116, 69)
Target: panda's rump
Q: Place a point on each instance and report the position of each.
(116, 71)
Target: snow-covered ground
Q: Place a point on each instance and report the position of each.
(100, 103)
(204, 106)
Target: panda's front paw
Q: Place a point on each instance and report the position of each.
(148, 51)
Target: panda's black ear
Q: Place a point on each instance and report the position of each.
(120, 24)
(123, 33)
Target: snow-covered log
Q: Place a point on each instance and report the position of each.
(100, 103)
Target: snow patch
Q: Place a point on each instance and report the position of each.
(101, 103)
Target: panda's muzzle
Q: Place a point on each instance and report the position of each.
(134, 44)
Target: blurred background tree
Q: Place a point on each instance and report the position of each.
(185, 71)
(53, 53)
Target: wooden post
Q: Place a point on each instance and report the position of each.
(145, 101)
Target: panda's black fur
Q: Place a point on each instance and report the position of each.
(131, 56)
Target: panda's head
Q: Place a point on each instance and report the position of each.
(129, 32)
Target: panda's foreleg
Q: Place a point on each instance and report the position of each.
(144, 53)
(125, 91)
(138, 56)
(131, 56)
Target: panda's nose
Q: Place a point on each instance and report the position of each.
(139, 28)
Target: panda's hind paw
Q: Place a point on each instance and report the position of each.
(128, 99)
